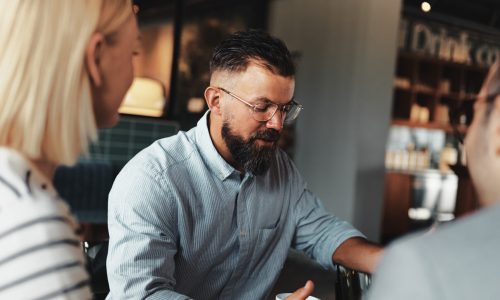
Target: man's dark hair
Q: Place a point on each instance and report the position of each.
(235, 53)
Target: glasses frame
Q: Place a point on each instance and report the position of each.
(455, 114)
(254, 107)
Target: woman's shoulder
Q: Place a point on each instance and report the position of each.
(27, 196)
(20, 180)
(18, 176)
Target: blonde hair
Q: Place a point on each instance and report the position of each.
(46, 109)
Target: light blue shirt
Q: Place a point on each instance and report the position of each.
(184, 224)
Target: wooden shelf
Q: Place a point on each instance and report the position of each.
(422, 89)
(453, 96)
(470, 97)
(403, 88)
(437, 91)
(429, 125)
(434, 83)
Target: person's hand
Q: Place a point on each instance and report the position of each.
(303, 292)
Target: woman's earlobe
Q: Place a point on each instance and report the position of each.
(93, 53)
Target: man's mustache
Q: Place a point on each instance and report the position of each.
(271, 135)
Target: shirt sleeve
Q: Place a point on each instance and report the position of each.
(143, 235)
(318, 232)
(403, 274)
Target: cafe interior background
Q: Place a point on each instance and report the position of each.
(382, 83)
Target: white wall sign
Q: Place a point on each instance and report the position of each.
(446, 43)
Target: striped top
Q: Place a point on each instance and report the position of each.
(184, 223)
(40, 254)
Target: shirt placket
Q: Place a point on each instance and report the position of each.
(243, 237)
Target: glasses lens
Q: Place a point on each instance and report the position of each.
(264, 112)
(292, 112)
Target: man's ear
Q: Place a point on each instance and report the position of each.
(93, 56)
(212, 96)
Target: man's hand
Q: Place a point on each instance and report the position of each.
(303, 292)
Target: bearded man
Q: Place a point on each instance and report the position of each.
(211, 213)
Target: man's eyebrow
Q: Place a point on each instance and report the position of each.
(266, 100)
(262, 99)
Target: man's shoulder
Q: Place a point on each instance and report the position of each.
(165, 153)
(151, 172)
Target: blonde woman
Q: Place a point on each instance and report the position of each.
(64, 69)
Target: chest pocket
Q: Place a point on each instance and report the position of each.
(267, 239)
(271, 223)
(271, 213)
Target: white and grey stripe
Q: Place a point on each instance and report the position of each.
(9, 186)
(79, 286)
(40, 254)
(38, 274)
(33, 222)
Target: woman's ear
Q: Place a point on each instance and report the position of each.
(212, 96)
(93, 55)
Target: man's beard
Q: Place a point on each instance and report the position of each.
(247, 154)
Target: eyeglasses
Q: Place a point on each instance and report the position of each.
(460, 110)
(265, 111)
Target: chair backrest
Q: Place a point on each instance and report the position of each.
(96, 254)
(351, 284)
(85, 188)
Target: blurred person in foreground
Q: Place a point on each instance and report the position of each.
(211, 213)
(460, 260)
(65, 67)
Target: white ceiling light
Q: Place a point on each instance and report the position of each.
(426, 6)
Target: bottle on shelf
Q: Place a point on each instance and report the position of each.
(448, 157)
(423, 159)
(419, 114)
(412, 157)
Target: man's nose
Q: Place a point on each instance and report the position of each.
(276, 122)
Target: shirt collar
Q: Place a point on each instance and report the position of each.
(218, 165)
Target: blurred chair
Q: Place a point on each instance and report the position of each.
(85, 188)
(351, 284)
